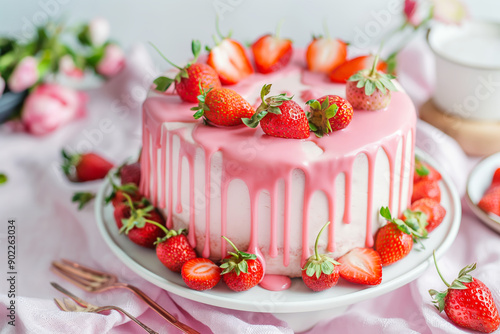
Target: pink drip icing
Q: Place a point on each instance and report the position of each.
(192, 209)
(146, 171)
(286, 224)
(273, 247)
(163, 172)
(369, 211)
(275, 282)
(347, 204)
(253, 248)
(154, 162)
(331, 228)
(401, 176)
(412, 168)
(305, 227)
(223, 223)
(178, 206)
(170, 207)
(144, 156)
(206, 248)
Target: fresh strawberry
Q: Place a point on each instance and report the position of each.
(143, 224)
(85, 167)
(222, 106)
(496, 177)
(279, 116)
(241, 271)
(271, 53)
(117, 194)
(320, 272)
(362, 266)
(370, 89)
(344, 71)
(490, 202)
(395, 239)
(433, 210)
(190, 77)
(131, 173)
(120, 213)
(324, 54)
(467, 302)
(424, 171)
(426, 189)
(329, 113)
(174, 250)
(200, 274)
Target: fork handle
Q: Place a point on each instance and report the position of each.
(134, 319)
(158, 309)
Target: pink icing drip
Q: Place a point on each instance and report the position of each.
(206, 248)
(412, 168)
(144, 156)
(163, 172)
(223, 223)
(275, 282)
(170, 207)
(154, 162)
(286, 224)
(388, 152)
(273, 247)
(178, 207)
(192, 226)
(401, 175)
(305, 227)
(369, 212)
(147, 176)
(331, 228)
(347, 204)
(253, 248)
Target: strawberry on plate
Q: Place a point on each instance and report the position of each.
(279, 116)
(490, 202)
(324, 54)
(395, 239)
(200, 274)
(190, 77)
(320, 272)
(173, 250)
(229, 59)
(222, 106)
(329, 113)
(362, 266)
(467, 302)
(85, 166)
(130, 173)
(370, 89)
(347, 69)
(426, 189)
(433, 210)
(425, 171)
(496, 177)
(241, 271)
(271, 53)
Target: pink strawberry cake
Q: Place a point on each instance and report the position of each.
(272, 195)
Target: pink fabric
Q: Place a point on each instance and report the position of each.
(49, 227)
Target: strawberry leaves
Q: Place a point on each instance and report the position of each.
(320, 115)
(268, 105)
(82, 198)
(412, 226)
(319, 263)
(237, 262)
(373, 80)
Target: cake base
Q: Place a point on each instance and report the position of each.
(476, 138)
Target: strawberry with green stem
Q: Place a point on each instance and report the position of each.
(279, 116)
(329, 113)
(190, 77)
(117, 193)
(320, 272)
(425, 171)
(370, 89)
(434, 212)
(324, 54)
(395, 239)
(467, 302)
(173, 250)
(271, 53)
(83, 167)
(241, 271)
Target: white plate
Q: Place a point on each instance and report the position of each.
(298, 298)
(479, 180)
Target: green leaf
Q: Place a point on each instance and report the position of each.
(311, 269)
(274, 110)
(331, 111)
(361, 83)
(196, 48)
(386, 213)
(314, 104)
(356, 77)
(266, 89)
(312, 127)
(318, 270)
(83, 198)
(243, 266)
(325, 103)
(198, 114)
(369, 87)
(388, 83)
(3, 178)
(379, 86)
(162, 83)
(327, 267)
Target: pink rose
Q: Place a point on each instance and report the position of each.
(2, 85)
(449, 11)
(98, 31)
(112, 62)
(50, 106)
(68, 67)
(25, 75)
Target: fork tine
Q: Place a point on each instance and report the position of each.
(59, 304)
(76, 280)
(81, 272)
(83, 268)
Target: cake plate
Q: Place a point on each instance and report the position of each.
(298, 306)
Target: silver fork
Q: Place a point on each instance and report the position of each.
(80, 305)
(92, 280)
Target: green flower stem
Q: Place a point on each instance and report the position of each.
(230, 242)
(163, 56)
(278, 28)
(163, 228)
(374, 66)
(129, 200)
(316, 253)
(435, 264)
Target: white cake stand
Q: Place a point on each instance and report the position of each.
(298, 306)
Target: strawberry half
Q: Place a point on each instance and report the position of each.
(362, 266)
(200, 274)
(490, 202)
(329, 113)
(324, 54)
(320, 272)
(85, 167)
(426, 189)
(433, 210)
(370, 89)
(279, 116)
(222, 106)
(395, 239)
(174, 250)
(344, 71)
(190, 78)
(425, 171)
(271, 53)
(467, 302)
(241, 271)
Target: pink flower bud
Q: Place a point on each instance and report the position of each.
(449, 11)
(25, 75)
(2, 85)
(112, 62)
(49, 106)
(98, 31)
(68, 67)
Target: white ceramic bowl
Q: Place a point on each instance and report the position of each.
(467, 69)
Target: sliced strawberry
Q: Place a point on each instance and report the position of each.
(433, 210)
(362, 266)
(490, 202)
(426, 189)
(200, 274)
(496, 177)
(230, 61)
(425, 171)
(344, 71)
(325, 54)
(271, 53)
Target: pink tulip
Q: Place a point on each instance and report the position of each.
(25, 74)
(2, 85)
(112, 62)
(49, 106)
(449, 11)
(98, 31)
(68, 67)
